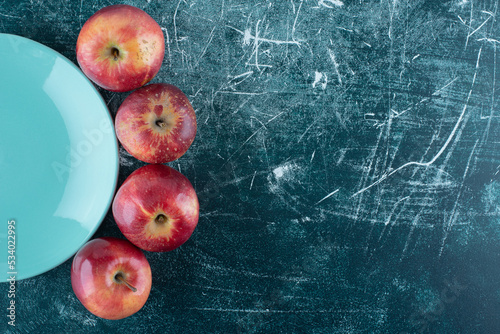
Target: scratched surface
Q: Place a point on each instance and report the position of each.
(347, 163)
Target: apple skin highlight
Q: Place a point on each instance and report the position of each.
(94, 278)
(156, 123)
(120, 48)
(156, 208)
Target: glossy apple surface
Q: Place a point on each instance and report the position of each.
(111, 277)
(156, 123)
(156, 208)
(120, 48)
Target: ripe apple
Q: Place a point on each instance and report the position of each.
(111, 277)
(156, 208)
(120, 48)
(156, 123)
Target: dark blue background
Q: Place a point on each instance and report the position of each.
(347, 163)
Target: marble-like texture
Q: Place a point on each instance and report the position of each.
(347, 163)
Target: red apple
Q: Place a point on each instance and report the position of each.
(111, 277)
(120, 48)
(156, 208)
(156, 123)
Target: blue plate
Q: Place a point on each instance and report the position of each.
(58, 158)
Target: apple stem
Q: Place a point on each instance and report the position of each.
(119, 277)
(160, 123)
(161, 218)
(115, 52)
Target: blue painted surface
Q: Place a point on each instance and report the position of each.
(347, 163)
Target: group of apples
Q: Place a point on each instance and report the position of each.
(121, 48)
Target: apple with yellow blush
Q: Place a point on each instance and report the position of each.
(156, 123)
(156, 208)
(120, 48)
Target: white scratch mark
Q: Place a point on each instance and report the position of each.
(175, 24)
(246, 141)
(492, 110)
(389, 33)
(258, 120)
(246, 75)
(445, 86)
(257, 41)
(255, 44)
(247, 37)
(367, 171)
(308, 128)
(399, 113)
(89, 322)
(253, 178)
(342, 28)
(394, 209)
(343, 152)
(226, 310)
(10, 16)
(320, 78)
(253, 134)
(167, 43)
(206, 46)
(412, 229)
(330, 3)
(328, 196)
(336, 65)
(470, 20)
(272, 119)
(491, 40)
(312, 156)
(443, 148)
(396, 218)
(454, 213)
(487, 12)
(295, 21)
(241, 93)
(477, 29)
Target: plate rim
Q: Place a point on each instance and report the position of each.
(116, 168)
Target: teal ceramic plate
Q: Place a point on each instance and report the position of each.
(58, 158)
